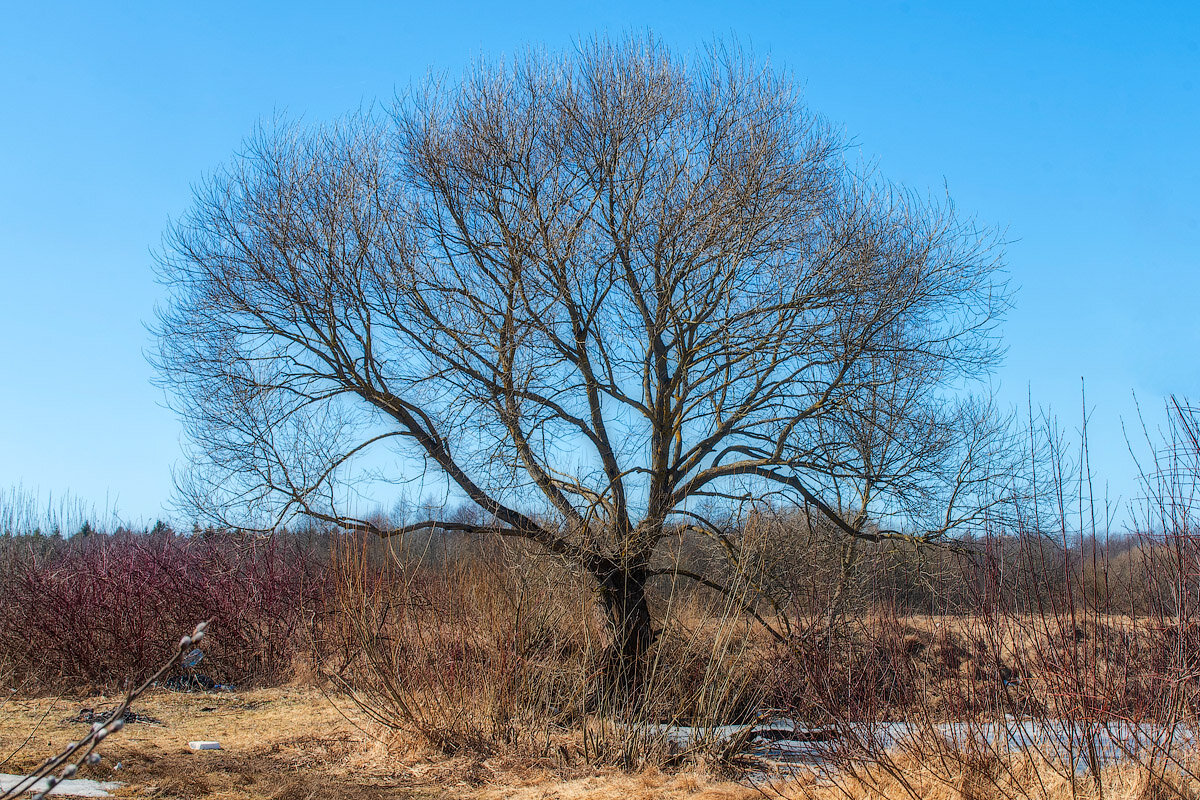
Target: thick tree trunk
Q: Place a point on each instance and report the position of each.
(624, 594)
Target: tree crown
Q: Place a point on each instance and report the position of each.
(599, 294)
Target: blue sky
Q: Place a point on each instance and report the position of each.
(1073, 127)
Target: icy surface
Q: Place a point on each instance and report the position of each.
(74, 788)
(783, 742)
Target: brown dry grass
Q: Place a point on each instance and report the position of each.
(1021, 776)
(292, 744)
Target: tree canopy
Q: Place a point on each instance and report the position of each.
(607, 296)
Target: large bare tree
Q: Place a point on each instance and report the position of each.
(599, 295)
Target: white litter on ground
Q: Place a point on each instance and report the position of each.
(205, 745)
(74, 788)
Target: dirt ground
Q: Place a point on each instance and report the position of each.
(294, 744)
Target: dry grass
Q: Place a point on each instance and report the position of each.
(1021, 776)
(272, 739)
(293, 744)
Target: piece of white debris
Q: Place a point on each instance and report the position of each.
(80, 787)
(205, 745)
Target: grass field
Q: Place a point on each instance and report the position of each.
(293, 744)
(473, 681)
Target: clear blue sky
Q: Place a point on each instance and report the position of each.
(1075, 127)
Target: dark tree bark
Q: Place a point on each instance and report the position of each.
(624, 596)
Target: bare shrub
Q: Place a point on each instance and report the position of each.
(1057, 676)
(94, 609)
(502, 654)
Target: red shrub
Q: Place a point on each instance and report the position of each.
(100, 609)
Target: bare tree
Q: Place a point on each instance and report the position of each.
(599, 295)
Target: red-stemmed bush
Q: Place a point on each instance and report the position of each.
(97, 609)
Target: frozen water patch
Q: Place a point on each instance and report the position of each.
(74, 788)
(784, 743)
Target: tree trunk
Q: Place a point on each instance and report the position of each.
(838, 599)
(624, 593)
